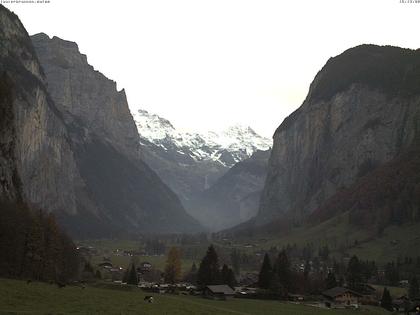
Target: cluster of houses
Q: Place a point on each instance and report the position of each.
(338, 297)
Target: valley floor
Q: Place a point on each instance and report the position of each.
(18, 297)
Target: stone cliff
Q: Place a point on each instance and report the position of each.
(362, 110)
(106, 144)
(34, 150)
(69, 145)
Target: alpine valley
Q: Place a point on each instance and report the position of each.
(324, 215)
(195, 165)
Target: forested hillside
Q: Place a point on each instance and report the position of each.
(32, 246)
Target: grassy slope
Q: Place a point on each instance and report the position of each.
(16, 297)
(337, 231)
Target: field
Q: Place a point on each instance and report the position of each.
(108, 248)
(18, 297)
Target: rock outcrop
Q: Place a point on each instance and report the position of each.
(362, 110)
(35, 153)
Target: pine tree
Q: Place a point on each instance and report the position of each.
(32, 246)
(193, 268)
(392, 274)
(306, 270)
(386, 301)
(208, 272)
(264, 277)
(230, 279)
(330, 282)
(132, 276)
(192, 275)
(414, 288)
(354, 273)
(235, 257)
(173, 266)
(283, 272)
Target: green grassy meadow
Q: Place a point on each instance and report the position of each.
(396, 241)
(18, 297)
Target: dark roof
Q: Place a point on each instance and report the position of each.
(221, 289)
(337, 291)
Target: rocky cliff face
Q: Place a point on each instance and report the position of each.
(362, 110)
(234, 198)
(69, 145)
(127, 194)
(34, 151)
(85, 95)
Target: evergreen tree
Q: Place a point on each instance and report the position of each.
(235, 258)
(414, 290)
(392, 274)
(173, 271)
(193, 268)
(264, 277)
(306, 270)
(192, 275)
(227, 276)
(386, 301)
(354, 273)
(330, 282)
(231, 279)
(32, 246)
(282, 271)
(208, 272)
(132, 276)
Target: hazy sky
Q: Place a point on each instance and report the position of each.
(209, 64)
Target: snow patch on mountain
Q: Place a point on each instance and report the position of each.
(228, 147)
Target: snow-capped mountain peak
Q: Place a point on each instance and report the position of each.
(226, 147)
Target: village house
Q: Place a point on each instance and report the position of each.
(144, 267)
(369, 294)
(341, 297)
(219, 292)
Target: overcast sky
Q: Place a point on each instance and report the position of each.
(210, 64)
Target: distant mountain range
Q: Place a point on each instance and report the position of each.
(228, 147)
(191, 163)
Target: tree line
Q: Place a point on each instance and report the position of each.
(32, 246)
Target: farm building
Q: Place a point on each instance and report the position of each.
(340, 297)
(220, 292)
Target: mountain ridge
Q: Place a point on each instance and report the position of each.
(190, 163)
(362, 110)
(118, 192)
(238, 140)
